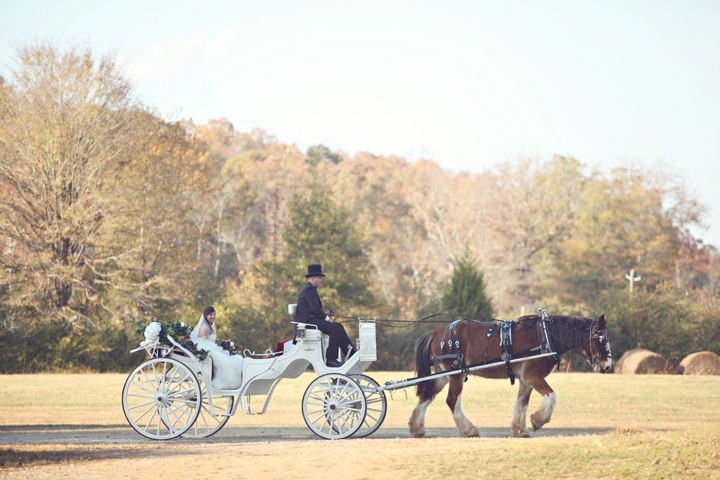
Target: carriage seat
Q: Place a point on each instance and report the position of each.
(306, 330)
(308, 327)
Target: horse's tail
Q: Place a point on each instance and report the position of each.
(424, 390)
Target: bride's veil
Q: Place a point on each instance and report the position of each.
(195, 334)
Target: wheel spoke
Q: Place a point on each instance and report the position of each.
(152, 417)
(151, 407)
(137, 395)
(140, 405)
(342, 418)
(316, 411)
(142, 387)
(172, 410)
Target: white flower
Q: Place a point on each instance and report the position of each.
(152, 332)
(232, 344)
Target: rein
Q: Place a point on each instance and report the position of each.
(391, 322)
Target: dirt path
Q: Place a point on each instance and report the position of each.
(117, 451)
(123, 434)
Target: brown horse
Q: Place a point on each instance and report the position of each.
(463, 344)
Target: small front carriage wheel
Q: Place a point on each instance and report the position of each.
(161, 399)
(334, 406)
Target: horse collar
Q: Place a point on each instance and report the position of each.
(544, 338)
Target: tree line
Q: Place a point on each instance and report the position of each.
(111, 216)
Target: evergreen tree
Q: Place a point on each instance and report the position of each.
(319, 232)
(466, 291)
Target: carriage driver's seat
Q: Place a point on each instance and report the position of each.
(292, 310)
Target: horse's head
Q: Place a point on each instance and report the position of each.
(597, 350)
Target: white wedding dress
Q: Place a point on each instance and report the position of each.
(227, 369)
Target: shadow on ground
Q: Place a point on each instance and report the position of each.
(28, 445)
(94, 434)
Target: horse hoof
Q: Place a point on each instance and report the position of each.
(535, 426)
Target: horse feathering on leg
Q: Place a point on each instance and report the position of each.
(479, 343)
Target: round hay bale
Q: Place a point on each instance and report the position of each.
(639, 361)
(700, 363)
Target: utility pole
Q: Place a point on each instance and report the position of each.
(632, 278)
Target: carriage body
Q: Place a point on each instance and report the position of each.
(171, 394)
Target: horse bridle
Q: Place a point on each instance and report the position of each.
(602, 337)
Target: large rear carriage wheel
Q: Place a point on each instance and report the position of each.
(206, 424)
(161, 399)
(334, 406)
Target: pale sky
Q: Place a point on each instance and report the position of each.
(467, 84)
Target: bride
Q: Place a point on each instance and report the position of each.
(226, 368)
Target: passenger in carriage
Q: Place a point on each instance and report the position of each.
(227, 369)
(310, 310)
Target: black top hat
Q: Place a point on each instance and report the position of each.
(315, 270)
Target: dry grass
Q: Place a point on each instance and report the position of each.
(608, 426)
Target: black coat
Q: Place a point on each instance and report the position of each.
(309, 307)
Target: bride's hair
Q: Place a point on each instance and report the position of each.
(208, 310)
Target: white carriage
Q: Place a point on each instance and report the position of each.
(171, 394)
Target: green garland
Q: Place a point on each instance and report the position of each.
(181, 333)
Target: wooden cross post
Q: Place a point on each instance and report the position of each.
(632, 278)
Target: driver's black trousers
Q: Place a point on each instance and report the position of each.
(338, 338)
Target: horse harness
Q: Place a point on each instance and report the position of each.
(506, 344)
(452, 342)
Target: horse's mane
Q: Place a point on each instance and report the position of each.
(565, 330)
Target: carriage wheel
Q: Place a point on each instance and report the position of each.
(334, 406)
(161, 399)
(376, 405)
(207, 425)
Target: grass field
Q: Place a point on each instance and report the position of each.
(606, 426)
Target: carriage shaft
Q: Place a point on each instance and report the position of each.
(392, 385)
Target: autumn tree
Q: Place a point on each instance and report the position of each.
(632, 218)
(530, 207)
(373, 190)
(90, 181)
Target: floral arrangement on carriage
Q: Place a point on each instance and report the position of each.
(229, 346)
(156, 335)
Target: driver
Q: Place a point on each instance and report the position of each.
(310, 310)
